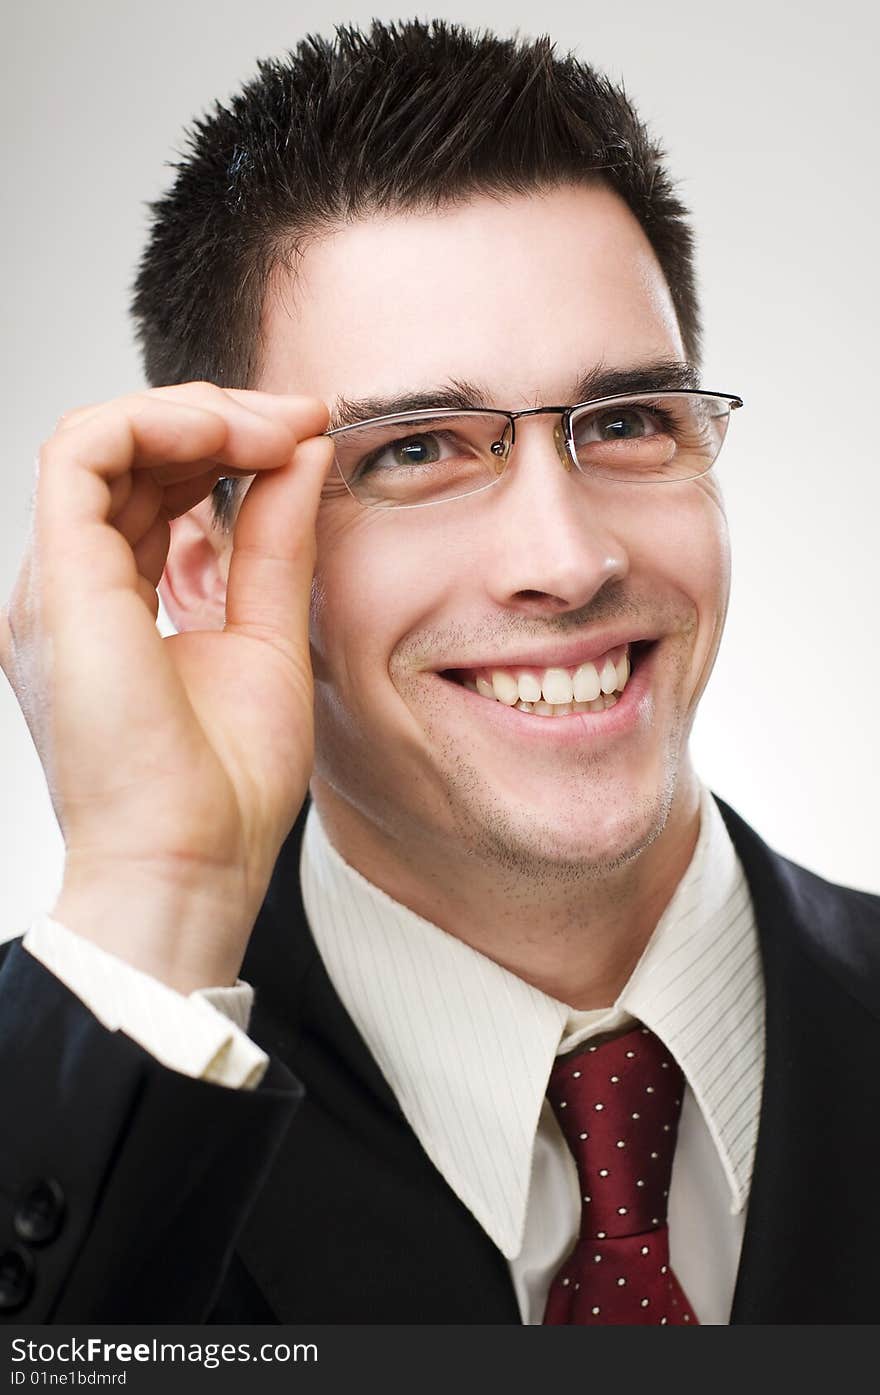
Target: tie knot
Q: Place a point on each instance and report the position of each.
(618, 1105)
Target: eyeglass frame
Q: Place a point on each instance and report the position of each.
(563, 435)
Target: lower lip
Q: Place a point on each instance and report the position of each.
(634, 708)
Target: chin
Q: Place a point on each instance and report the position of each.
(594, 829)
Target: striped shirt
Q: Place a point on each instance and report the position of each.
(467, 1048)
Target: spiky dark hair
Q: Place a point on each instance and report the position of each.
(400, 116)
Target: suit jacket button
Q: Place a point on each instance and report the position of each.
(16, 1279)
(39, 1214)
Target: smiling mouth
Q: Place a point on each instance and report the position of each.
(557, 692)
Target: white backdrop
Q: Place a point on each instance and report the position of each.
(769, 120)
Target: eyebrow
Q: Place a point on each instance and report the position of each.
(459, 395)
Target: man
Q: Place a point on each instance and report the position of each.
(577, 1047)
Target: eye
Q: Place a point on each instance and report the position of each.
(619, 424)
(413, 452)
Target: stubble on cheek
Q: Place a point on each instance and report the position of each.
(529, 850)
(524, 847)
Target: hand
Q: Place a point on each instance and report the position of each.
(176, 766)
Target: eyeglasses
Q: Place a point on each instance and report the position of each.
(434, 456)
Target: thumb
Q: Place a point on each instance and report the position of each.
(273, 547)
(5, 644)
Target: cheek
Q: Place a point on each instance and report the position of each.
(348, 583)
(687, 535)
(375, 582)
(711, 549)
(690, 544)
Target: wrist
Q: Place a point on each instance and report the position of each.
(187, 937)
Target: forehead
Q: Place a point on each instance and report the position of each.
(522, 295)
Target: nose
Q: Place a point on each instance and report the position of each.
(554, 542)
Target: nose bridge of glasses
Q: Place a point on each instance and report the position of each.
(560, 440)
(560, 436)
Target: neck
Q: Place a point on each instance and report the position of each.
(576, 940)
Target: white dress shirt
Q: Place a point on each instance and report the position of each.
(467, 1049)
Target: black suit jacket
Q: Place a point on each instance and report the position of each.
(311, 1200)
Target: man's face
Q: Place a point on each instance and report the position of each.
(522, 298)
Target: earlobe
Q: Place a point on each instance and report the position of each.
(193, 585)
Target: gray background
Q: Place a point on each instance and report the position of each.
(768, 117)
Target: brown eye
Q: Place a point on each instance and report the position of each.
(623, 425)
(415, 450)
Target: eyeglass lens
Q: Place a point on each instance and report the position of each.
(425, 459)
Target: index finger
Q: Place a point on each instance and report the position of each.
(310, 414)
(78, 466)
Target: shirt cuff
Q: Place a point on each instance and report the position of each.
(201, 1035)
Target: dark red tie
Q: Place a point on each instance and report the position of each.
(618, 1105)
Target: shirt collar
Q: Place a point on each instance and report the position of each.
(467, 1047)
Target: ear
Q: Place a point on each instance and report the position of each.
(193, 585)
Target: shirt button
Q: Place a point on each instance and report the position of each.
(16, 1279)
(39, 1214)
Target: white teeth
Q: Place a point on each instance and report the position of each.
(505, 688)
(529, 687)
(608, 677)
(586, 683)
(560, 709)
(556, 686)
(557, 692)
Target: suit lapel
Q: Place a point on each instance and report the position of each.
(354, 1224)
(813, 1224)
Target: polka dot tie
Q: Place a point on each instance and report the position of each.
(618, 1105)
